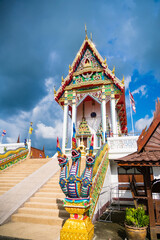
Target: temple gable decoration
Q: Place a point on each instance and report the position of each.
(92, 91)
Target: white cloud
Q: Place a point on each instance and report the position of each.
(49, 83)
(10, 140)
(127, 81)
(143, 122)
(46, 111)
(142, 89)
(49, 132)
(13, 128)
(53, 56)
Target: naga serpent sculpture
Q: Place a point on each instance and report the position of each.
(64, 165)
(77, 191)
(74, 180)
(72, 184)
(86, 177)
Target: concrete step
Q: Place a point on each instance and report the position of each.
(13, 181)
(44, 205)
(9, 174)
(50, 195)
(8, 184)
(50, 189)
(43, 212)
(46, 200)
(2, 192)
(29, 218)
(5, 188)
(54, 180)
(12, 178)
(56, 184)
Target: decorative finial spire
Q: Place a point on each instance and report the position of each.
(105, 63)
(62, 79)
(54, 90)
(123, 80)
(91, 36)
(113, 71)
(86, 38)
(70, 68)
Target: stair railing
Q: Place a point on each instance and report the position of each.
(99, 172)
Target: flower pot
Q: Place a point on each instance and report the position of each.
(134, 233)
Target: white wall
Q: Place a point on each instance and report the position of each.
(13, 146)
(106, 193)
(156, 172)
(93, 123)
(10, 146)
(122, 146)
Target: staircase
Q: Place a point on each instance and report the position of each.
(45, 207)
(42, 216)
(16, 173)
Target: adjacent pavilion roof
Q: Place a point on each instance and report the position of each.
(148, 153)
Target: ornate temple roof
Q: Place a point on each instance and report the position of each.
(88, 68)
(89, 72)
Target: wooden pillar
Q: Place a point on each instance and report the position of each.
(147, 180)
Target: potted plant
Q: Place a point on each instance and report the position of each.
(136, 223)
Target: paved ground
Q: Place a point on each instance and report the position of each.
(103, 230)
(113, 230)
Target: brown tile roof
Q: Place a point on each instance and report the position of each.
(148, 153)
(152, 135)
(149, 158)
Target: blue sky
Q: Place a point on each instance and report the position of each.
(40, 38)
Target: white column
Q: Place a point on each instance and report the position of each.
(65, 119)
(74, 112)
(103, 112)
(156, 172)
(29, 145)
(113, 114)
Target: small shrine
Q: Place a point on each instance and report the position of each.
(93, 97)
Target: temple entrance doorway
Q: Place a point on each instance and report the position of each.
(84, 140)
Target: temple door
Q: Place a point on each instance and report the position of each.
(85, 142)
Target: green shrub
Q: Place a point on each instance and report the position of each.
(5, 149)
(136, 217)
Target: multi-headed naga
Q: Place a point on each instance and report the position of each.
(77, 190)
(72, 184)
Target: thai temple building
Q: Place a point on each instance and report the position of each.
(98, 167)
(94, 99)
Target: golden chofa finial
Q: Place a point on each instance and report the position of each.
(54, 91)
(70, 69)
(91, 36)
(86, 38)
(123, 80)
(105, 61)
(62, 79)
(113, 71)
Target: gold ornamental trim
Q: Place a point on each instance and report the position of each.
(87, 83)
(87, 69)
